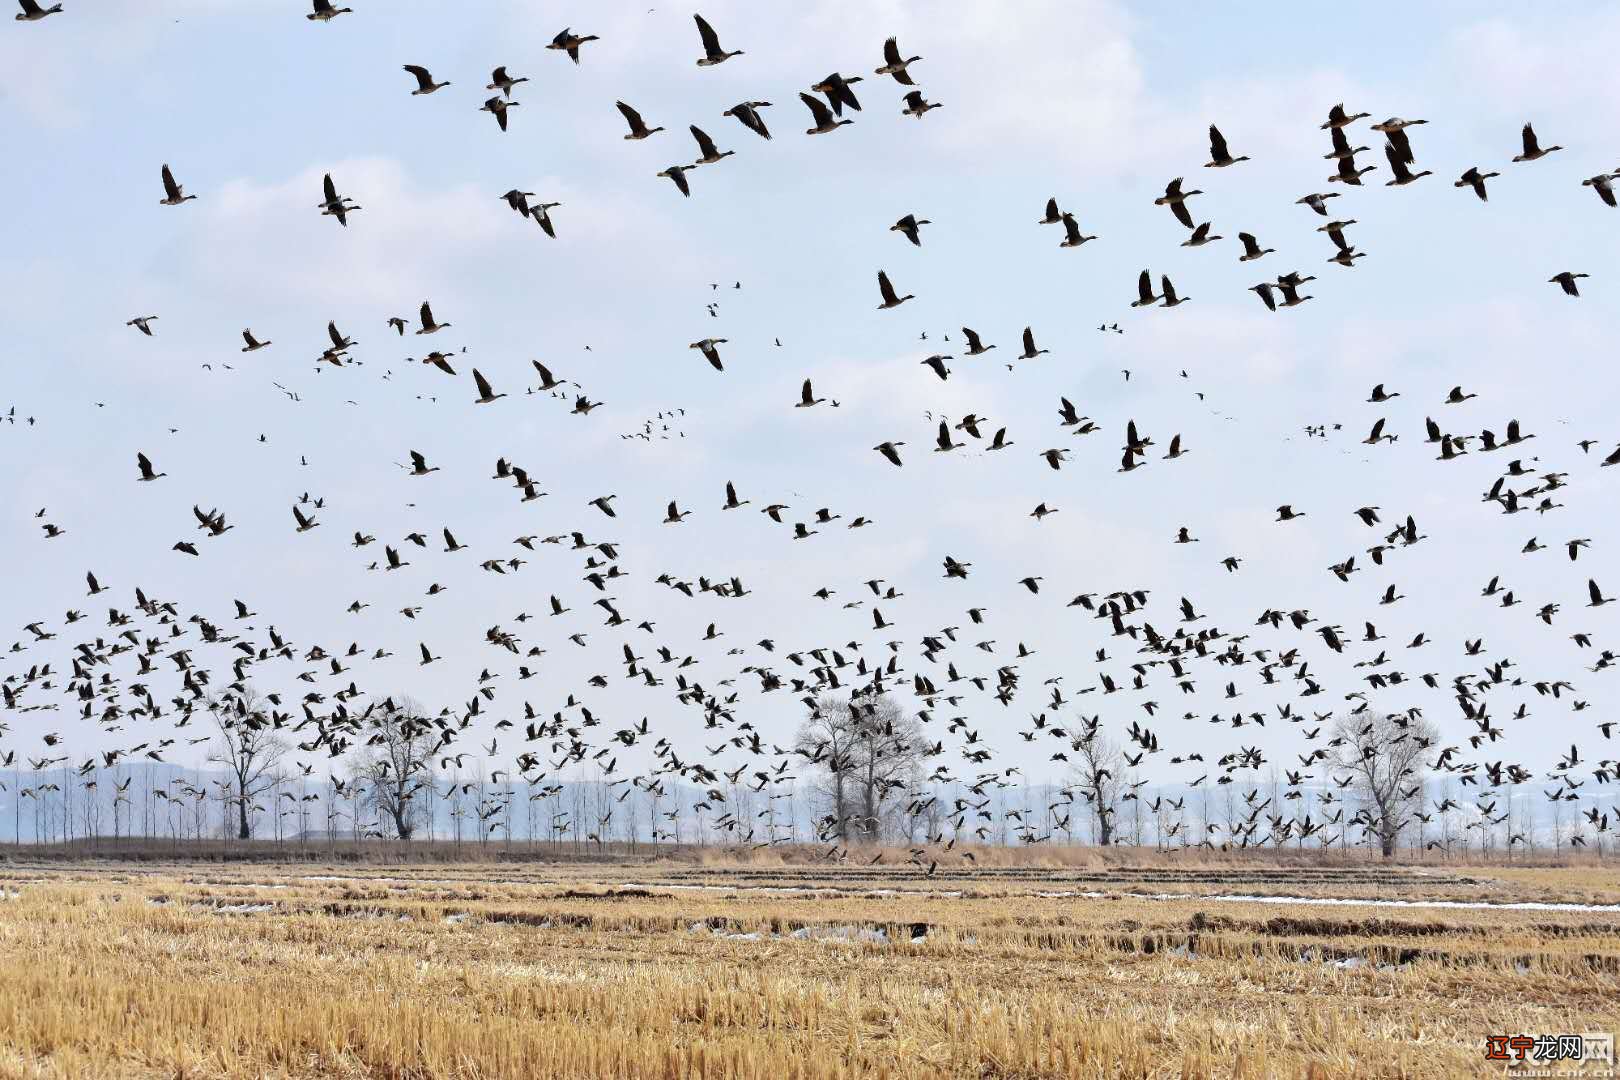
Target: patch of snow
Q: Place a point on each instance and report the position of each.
(848, 934)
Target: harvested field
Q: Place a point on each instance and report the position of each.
(663, 969)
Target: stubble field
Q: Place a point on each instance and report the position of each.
(682, 969)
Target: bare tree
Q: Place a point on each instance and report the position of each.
(1385, 755)
(1095, 773)
(865, 748)
(395, 769)
(248, 748)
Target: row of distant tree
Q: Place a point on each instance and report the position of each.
(861, 774)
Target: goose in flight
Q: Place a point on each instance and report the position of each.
(541, 213)
(1603, 184)
(709, 154)
(1394, 130)
(1338, 118)
(1251, 248)
(1317, 201)
(711, 351)
(838, 92)
(32, 12)
(1200, 236)
(890, 299)
(674, 515)
(1053, 215)
(909, 226)
(1475, 179)
(1397, 165)
(428, 325)
(304, 523)
(975, 346)
(253, 345)
(547, 381)
(424, 80)
(1219, 156)
(500, 80)
(821, 115)
(1176, 200)
(678, 173)
(486, 393)
(1072, 237)
(569, 42)
(173, 193)
(340, 341)
(638, 129)
(1144, 290)
(518, 201)
(1169, 290)
(419, 465)
(335, 205)
(916, 106)
(712, 52)
(891, 451)
(145, 465)
(1030, 351)
(497, 106)
(807, 398)
(1349, 174)
(1289, 285)
(1566, 281)
(747, 114)
(894, 65)
(1532, 150)
(325, 12)
(1342, 148)
(142, 323)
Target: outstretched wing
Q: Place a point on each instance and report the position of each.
(711, 40)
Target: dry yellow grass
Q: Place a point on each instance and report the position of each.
(536, 971)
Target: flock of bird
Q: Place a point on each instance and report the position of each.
(148, 661)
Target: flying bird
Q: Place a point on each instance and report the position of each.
(32, 12)
(712, 52)
(424, 80)
(569, 42)
(638, 129)
(325, 12)
(890, 299)
(173, 193)
(894, 65)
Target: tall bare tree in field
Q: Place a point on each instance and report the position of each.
(866, 747)
(1385, 755)
(1095, 773)
(394, 771)
(248, 748)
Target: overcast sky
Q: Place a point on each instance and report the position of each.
(1094, 103)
